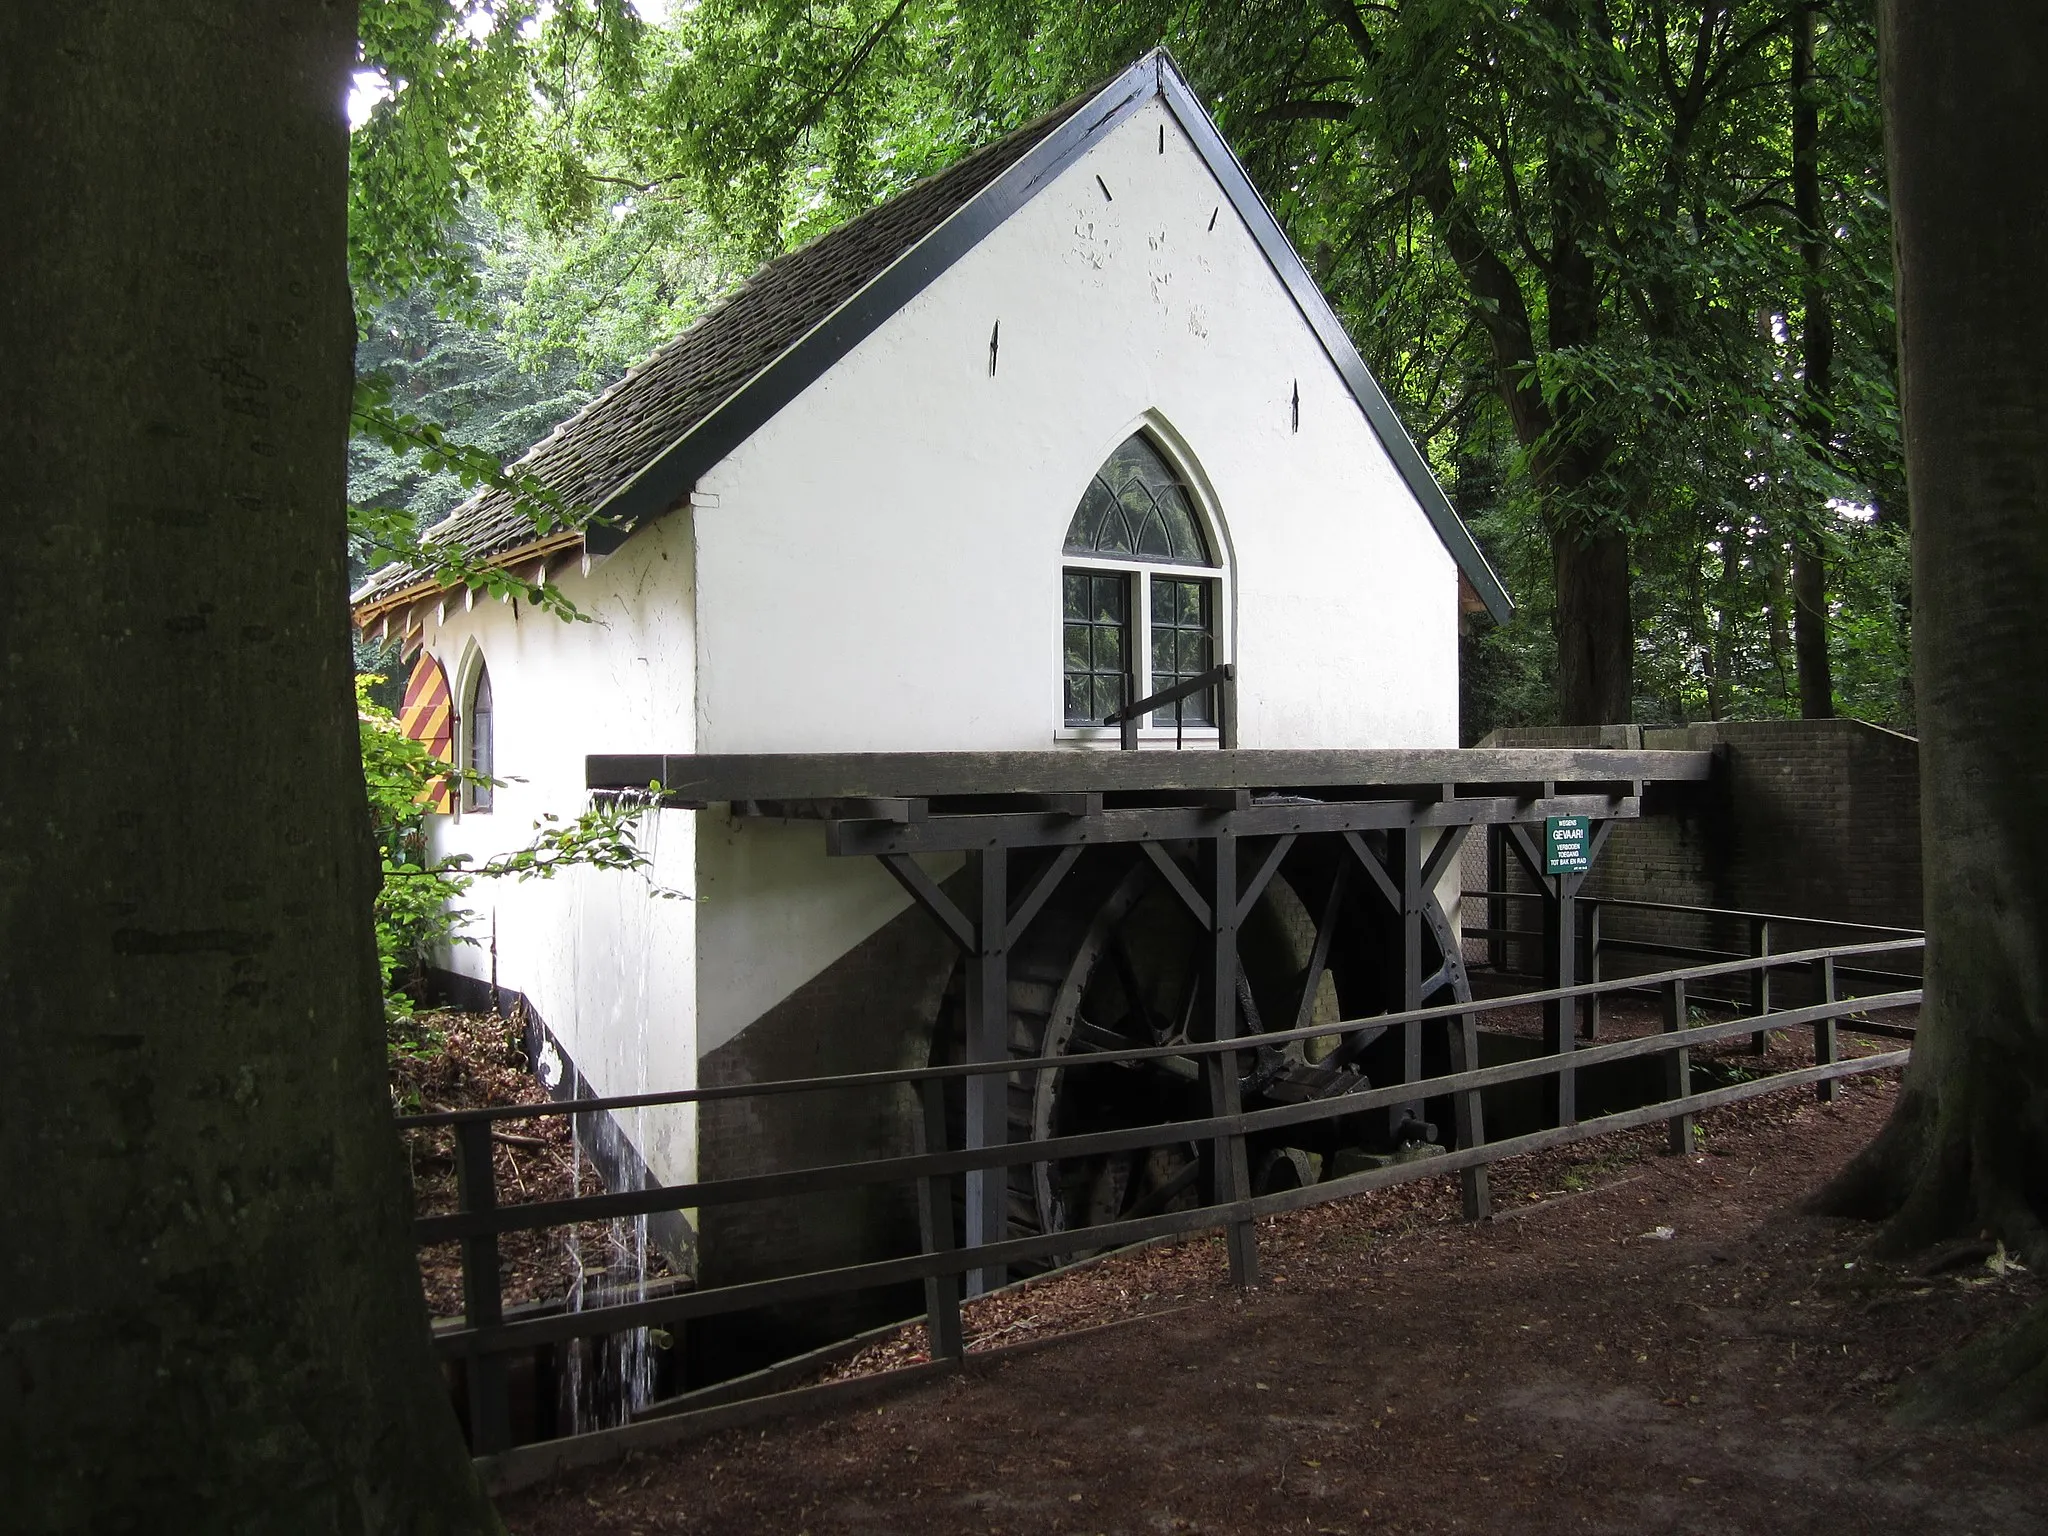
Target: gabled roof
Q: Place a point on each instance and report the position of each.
(636, 451)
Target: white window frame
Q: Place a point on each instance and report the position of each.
(1222, 611)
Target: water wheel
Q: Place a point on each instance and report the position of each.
(1116, 961)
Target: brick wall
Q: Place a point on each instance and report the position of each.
(1811, 818)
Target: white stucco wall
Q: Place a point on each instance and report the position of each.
(609, 965)
(881, 570)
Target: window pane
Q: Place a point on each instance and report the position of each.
(1109, 697)
(1111, 599)
(1094, 644)
(1180, 522)
(1181, 645)
(1086, 527)
(1135, 504)
(1153, 539)
(482, 746)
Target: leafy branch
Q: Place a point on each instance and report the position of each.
(388, 534)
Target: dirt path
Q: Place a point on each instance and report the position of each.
(1667, 1351)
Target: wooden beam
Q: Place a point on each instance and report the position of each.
(1263, 876)
(1147, 824)
(1041, 891)
(872, 775)
(1177, 879)
(925, 892)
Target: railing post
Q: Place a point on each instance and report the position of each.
(935, 1224)
(987, 1094)
(1561, 1015)
(1824, 1029)
(476, 1186)
(1677, 1067)
(1591, 1028)
(1760, 982)
(1233, 1169)
(1496, 906)
(1406, 846)
(1468, 1117)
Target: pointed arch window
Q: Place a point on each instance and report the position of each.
(1141, 587)
(479, 742)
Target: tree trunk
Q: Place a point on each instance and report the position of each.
(1817, 359)
(1595, 634)
(212, 1318)
(1965, 1150)
(1810, 630)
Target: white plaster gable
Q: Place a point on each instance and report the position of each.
(881, 568)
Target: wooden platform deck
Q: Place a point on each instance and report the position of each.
(849, 776)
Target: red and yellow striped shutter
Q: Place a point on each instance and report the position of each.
(428, 717)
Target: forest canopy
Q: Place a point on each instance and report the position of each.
(1623, 268)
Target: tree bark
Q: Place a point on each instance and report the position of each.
(212, 1319)
(1817, 357)
(1965, 1150)
(1595, 632)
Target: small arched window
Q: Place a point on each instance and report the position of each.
(479, 746)
(1141, 591)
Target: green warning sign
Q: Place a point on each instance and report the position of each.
(1565, 841)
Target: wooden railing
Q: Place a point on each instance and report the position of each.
(486, 1337)
(1596, 942)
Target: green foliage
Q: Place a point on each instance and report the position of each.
(418, 908)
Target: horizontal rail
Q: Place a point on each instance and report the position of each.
(1147, 1053)
(1200, 683)
(1672, 906)
(505, 1337)
(891, 1170)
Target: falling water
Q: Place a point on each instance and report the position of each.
(608, 1379)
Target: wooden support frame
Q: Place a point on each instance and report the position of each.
(1231, 1163)
(987, 807)
(988, 1040)
(1410, 890)
(986, 936)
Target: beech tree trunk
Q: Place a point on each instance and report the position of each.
(1817, 361)
(1967, 1149)
(1595, 634)
(211, 1317)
